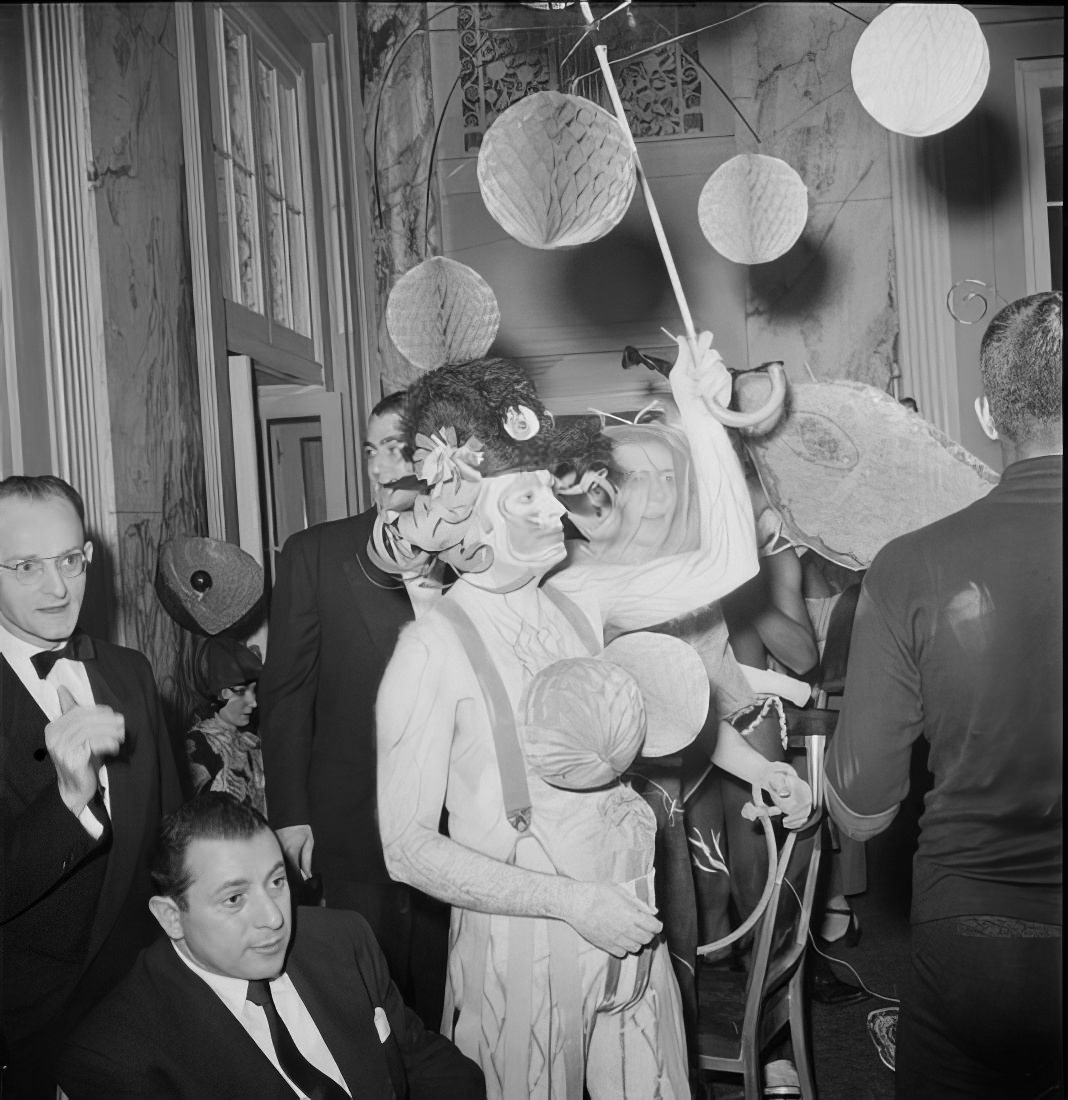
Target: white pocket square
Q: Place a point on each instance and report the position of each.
(381, 1024)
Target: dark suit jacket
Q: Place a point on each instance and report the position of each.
(164, 1033)
(53, 877)
(334, 622)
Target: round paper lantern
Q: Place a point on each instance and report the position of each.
(582, 722)
(920, 68)
(753, 208)
(556, 170)
(674, 685)
(442, 312)
(206, 585)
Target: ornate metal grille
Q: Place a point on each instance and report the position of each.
(502, 60)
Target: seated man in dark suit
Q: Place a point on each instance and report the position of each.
(86, 773)
(245, 996)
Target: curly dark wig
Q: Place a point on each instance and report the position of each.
(478, 398)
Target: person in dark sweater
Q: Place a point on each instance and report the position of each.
(958, 639)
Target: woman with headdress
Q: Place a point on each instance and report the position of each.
(532, 993)
(223, 751)
(646, 509)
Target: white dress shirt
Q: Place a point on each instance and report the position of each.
(292, 1010)
(72, 676)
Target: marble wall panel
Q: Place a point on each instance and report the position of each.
(830, 300)
(399, 125)
(138, 177)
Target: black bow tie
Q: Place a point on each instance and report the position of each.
(78, 647)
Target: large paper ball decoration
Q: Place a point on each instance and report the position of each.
(920, 68)
(442, 312)
(673, 683)
(753, 208)
(206, 585)
(582, 722)
(556, 170)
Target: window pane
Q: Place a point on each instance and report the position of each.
(247, 240)
(237, 99)
(1056, 245)
(299, 275)
(289, 120)
(245, 216)
(224, 200)
(268, 110)
(277, 267)
(1052, 101)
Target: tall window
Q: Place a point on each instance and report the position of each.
(259, 132)
(1051, 103)
(1040, 95)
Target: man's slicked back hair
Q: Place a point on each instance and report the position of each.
(391, 403)
(212, 815)
(1021, 368)
(42, 487)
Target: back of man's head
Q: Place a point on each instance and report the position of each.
(1021, 368)
(42, 487)
(212, 815)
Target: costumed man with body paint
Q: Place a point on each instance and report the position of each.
(544, 990)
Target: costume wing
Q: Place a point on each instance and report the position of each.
(849, 468)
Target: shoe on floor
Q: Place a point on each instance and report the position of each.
(829, 989)
(845, 933)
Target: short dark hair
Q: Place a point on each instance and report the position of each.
(391, 403)
(1021, 369)
(211, 815)
(42, 487)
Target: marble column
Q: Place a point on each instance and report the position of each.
(137, 180)
(398, 135)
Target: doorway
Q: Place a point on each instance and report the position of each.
(289, 461)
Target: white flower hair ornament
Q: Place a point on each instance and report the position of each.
(521, 423)
(439, 460)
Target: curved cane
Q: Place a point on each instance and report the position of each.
(757, 809)
(729, 418)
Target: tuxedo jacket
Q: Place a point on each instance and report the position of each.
(73, 911)
(334, 622)
(164, 1033)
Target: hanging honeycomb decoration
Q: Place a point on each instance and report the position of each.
(442, 312)
(556, 170)
(753, 208)
(920, 68)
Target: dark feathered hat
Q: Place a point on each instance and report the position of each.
(223, 663)
(488, 411)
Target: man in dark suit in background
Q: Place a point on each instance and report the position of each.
(86, 772)
(239, 1000)
(335, 617)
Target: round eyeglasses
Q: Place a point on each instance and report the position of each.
(30, 571)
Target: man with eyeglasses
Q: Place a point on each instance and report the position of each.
(86, 773)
